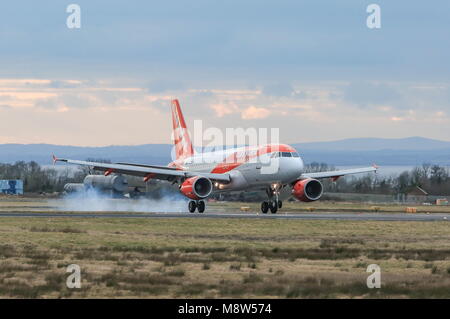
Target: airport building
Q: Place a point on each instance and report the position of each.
(11, 186)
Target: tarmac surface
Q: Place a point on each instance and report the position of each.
(246, 215)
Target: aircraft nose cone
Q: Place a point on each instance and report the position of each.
(293, 168)
(301, 165)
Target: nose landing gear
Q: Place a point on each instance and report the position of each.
(199, 205)
(264, 207)
(273, 204)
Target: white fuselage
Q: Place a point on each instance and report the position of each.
(249, 167)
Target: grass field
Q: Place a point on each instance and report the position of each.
(42, 204)
(344, 207)
(217, 258)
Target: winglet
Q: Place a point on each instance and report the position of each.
(55, 159)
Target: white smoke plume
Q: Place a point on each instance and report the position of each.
(94, 201)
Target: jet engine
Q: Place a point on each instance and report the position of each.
(307, 190)
(74, 187)
(114, 185)
(196, 187)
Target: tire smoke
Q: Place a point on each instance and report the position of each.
(94, 201)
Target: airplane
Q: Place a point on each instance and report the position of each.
(201, 174)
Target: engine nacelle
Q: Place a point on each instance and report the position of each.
(116, 183)
(74, 188)
(307, 190)
(196, 187)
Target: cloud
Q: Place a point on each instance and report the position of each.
(65, 84)
(280, 41)
(367, 94)
(222, 110)
(160, 86)
(254, 112)
(324, 109)
(47, 104)
(65, 102)
(23, 82)
(278, 89)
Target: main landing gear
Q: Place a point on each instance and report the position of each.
(273, 204)
(199, 205)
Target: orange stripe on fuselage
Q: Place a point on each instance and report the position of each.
(225, 167)
(234, 160)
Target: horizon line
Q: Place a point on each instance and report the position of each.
(325, 141)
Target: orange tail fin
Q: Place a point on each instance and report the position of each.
(181, 138)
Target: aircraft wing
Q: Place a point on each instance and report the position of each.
(336, 174)
(146, 171)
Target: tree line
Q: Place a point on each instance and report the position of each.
(37, 179)
(434, 179)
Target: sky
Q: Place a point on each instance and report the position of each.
(313, 69)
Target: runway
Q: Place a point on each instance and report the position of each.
(249, 215)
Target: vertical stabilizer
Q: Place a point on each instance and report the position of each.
(181, 138)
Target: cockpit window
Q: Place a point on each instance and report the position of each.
(284, 154)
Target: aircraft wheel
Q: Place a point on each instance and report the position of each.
(264, 207)
(201, 206)
(192, 206)
(280, 204)
(273, 207)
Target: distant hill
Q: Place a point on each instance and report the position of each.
(358, 151)
(382, 151)
(42, 153)
(377, 144)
